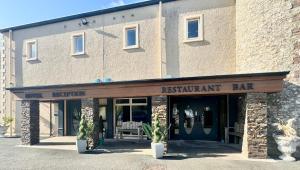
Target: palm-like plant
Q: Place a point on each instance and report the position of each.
(158, 133)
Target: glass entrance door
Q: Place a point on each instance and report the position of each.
(194, 118)
(73, 116)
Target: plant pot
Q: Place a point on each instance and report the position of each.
(287, 146)
(3, 130)
(81, 146)
(157, 150)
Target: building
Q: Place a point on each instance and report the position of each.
(203, 65)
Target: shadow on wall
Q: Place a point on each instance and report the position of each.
(283, 106)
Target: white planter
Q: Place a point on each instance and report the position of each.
(3, 130)
(157, 150)
(81, 145)
(287, 146)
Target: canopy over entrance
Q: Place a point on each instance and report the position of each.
(208, 85)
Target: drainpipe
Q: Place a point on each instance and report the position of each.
(10, 77)
(160, 38)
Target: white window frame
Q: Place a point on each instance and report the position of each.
(137, 38)
(73, 53)
(200, 28)
(28, 51)
(130, 104)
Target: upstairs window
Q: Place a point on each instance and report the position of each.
(194, 28)
(31, 50)
(131, 37)
(78, 44)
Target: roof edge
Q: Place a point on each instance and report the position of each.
(283, 73)
(86, 14)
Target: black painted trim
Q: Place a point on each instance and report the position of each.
(87, 14)
(14, 89)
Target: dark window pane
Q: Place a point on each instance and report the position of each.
(131, 37)
(122, 114)
(193, 28)
(139, 100)
(122, 101)
(140, 114)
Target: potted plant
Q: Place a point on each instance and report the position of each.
(6, 121)
(89, 135)
(286, 139)
(158, 135)
(81, 141)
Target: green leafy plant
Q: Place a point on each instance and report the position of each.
(158, 133)
(7, 120)
(90, 129)
(82, 134)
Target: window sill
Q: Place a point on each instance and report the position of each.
(131, 47)
(193, 40)
(31, 59)
(78, 54)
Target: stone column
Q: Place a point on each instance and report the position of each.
(90, 108)
(255, 135)
(160, 107)
(30, 122)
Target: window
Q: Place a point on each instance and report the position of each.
(78, 44)
(131, 109)
(194, 28)
(31, 50)
(131, 37)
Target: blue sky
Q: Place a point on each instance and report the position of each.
(19, 12)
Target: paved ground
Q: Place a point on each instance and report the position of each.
(12, 157)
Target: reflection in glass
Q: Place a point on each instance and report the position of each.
(122, 114)
(175, 119)
(140, 114)
(207, 121)
(76, 121)
(188, 120)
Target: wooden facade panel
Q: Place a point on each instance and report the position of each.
(267, 84)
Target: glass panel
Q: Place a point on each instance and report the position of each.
(122, 114)
(175, 120)
(76, 121)
(102, 112)
(122, 101)
(193, 28)
(140, 114)
(188, 119)
(102, 101)
(78, 44)
(32, 50)
(102, 119)
(207, 120)
(131, 37)
(60, 118)
(139, 100)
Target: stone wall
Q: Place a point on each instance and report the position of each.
(255, 136)
(159, 107)
(268, 33)
(30, 130)
(90, 108)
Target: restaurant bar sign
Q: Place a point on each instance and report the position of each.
(205, 88)
(55, 94)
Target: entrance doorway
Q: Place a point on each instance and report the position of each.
(194, 118)
(73, 117)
